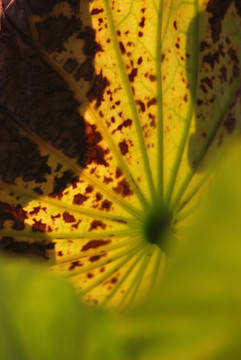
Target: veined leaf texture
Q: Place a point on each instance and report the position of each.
(110, 112)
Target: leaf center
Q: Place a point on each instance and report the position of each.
(158, 230)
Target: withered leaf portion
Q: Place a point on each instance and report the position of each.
(110, 111)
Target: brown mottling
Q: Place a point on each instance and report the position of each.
(96, 154)
(95, 224)
(233, 55)
(126, 123)
(123, 188)
(199, 102)
(140, 33)
(60, 253)
(38, 190)
(133, 74)
(185, 98)
(211, 59)
(85, 71)
(107, 180)
(218, 9)
(16, 214)
(141, 104)
(39, 226)
(95, 258)
(163, 57)
(230, 123)
(93, 244)
(175, 25)
(223, 71)
(55, 216)
(122, 47)
(118, 173)
(97, 90)
(114, 280)
(89, 189)
(35, 210)
(39, 251)
(123, 147)
(79, 199)
(90, 275)
(204, 134)
(139, 61)
(96, 11)
(142, 22)
(106, 205)
(236, 71)
(98, 196)
(90, 45)
(207, 81)
(152, 77)
(54, 31)
(75, 264)
(70, 65)
(204, 45)
(151, 102)
(68, 218)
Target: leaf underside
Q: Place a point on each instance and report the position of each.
(110, 109)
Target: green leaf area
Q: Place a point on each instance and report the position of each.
(195, 314)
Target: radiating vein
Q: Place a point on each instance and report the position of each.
(183, 141)
(110, 272)
(62, 205)
(130, 97)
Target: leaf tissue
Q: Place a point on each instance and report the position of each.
(110, 114)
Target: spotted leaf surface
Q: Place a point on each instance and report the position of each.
(110, 114)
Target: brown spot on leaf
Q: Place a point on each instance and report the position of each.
(39, 226)
(123, 147)
(93, 244)
(97, 90)
(96, 154)
(95, 258)
(85, 70)
(95, 224)
(151, 102)
(122, 47)
(142, 22)
(70, 65)
(106, 205)
(16, 214)
(133, 74)
(96, 11)
(54, 31)
(230, 123)
(218, 9)
(141, 105)
(68, 218)
(75, 264)
(123, 188)
(90, 45)
(79, 199)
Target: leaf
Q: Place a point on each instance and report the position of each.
(111, 114)
(196, 314)
(40, 315)
(46, 321)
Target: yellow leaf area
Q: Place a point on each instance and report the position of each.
(110, 112)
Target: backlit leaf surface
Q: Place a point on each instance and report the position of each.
(110, 112)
